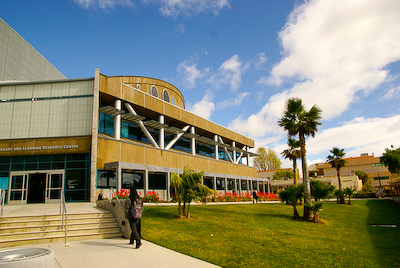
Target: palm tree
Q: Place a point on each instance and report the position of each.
(336, 160)
(186, 188)
(349, 192)
(297, 121)
(291, 195)
(292, 153)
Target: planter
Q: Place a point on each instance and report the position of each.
(27, 257)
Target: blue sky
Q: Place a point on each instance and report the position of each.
(238, 61)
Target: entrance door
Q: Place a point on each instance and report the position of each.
(36, 188)
(43, 186)
(54, 187)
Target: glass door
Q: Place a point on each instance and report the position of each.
(55, 182)
(18, 188)
(36, 186)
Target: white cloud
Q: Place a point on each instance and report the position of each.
(102, 4)
(391, 93)
(260, 59)
(205, 107)
(236, 101)
(229, 73)
(331, 51)
(361, 135)
(191, 73)
(337, 48)
(189, 7)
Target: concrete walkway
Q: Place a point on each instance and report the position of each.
(115, 252)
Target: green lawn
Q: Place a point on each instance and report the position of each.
(264, 235)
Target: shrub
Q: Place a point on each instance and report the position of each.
(122, 194)
(151, 197)
(365, 194)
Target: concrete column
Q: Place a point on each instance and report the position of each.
(234, 152)
(269, 187)
(215, 183)
(146, 182)
(247, 157)
(216, 149)
(168, 186)
(193, 141)
(119, 177)
(117, 121)
(95, 131)
(236, 185)
(161, 119)
(226, 184)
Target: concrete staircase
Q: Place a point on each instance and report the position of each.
(42, 229)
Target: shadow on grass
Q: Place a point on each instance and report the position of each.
(385, 240)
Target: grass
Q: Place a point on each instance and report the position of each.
(264, 235)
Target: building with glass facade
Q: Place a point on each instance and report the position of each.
(83, 136)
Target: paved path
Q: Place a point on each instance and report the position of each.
(117, 252)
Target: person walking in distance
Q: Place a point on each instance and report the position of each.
(133, 212)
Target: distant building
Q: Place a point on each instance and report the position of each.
(347, 181)
(350, 181)
(377, 172)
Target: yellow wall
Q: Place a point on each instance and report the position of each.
(113, 151)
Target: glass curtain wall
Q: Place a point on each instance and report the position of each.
(76, 167)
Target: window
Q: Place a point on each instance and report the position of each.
(165, 95)
(244, 185)
(132, 179)
(138, 87)
(254, 185)
(157, 182)
(231, 184)
(106, 179)
(173, 100)
(220, 184)
(154, 91)
(208, 182)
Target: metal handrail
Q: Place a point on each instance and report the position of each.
(116, 196)
(3, 197)
(64, 214)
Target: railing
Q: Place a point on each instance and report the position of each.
(116, 196)
(63, 210)
(2, 198)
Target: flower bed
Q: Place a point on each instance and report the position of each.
(242, 197)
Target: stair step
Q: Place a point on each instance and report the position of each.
(5, 237)
(56, 217)
(56, 227)
(35, 222)
(40, 240)
(24, 230)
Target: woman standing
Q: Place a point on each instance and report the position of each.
(133, 211)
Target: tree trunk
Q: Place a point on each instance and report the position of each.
(180, 214)
(295, 180)
(308, 215)
(295, 213)
(341, 198)
(184, 209)
(188, 211)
